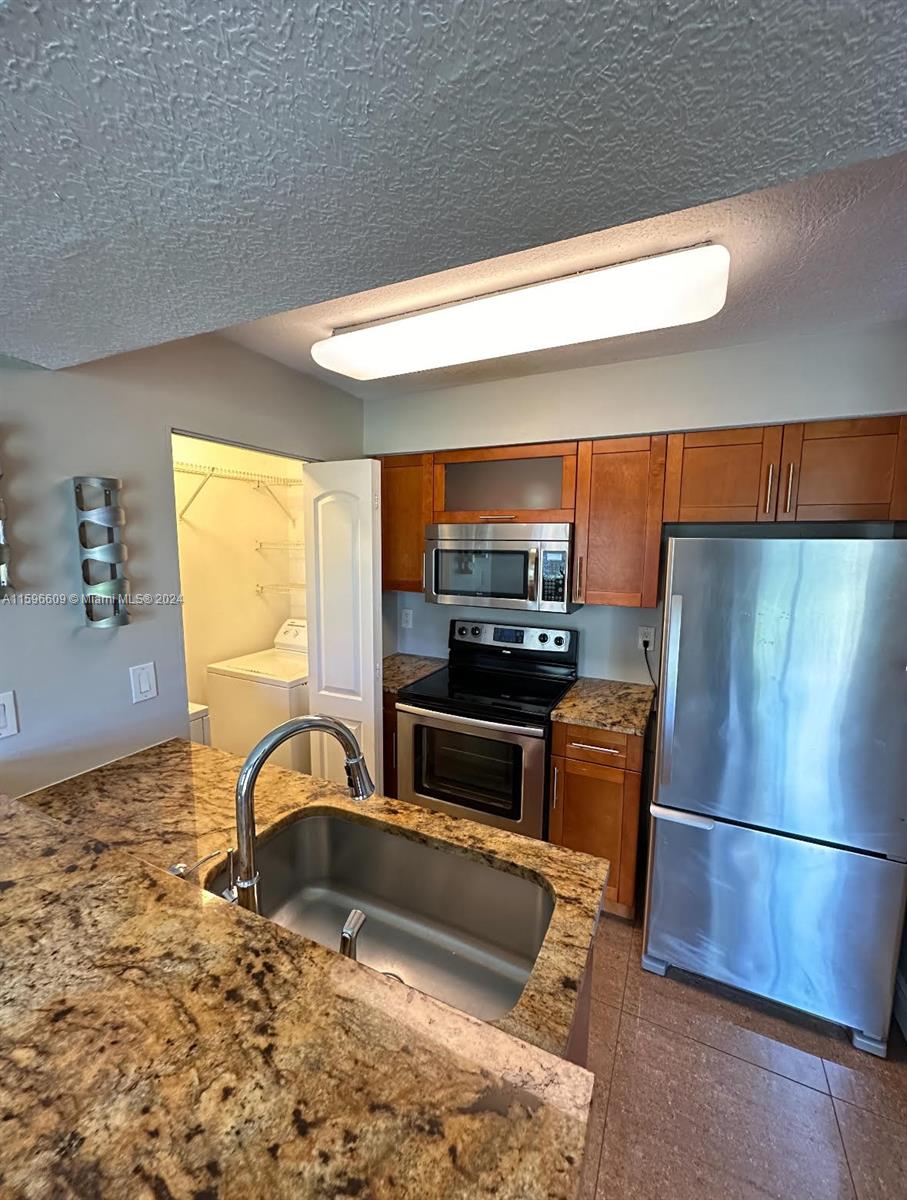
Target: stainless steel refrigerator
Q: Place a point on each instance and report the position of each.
(779, 831)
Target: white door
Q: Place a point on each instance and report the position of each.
(343, 584)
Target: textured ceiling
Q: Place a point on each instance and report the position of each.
(827, 251)
(174, 167)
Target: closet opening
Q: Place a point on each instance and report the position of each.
(240, 529)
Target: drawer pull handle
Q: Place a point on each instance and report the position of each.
(600, 749)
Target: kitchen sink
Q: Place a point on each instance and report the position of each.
(458, 929)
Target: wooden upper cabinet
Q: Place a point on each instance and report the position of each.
(723, 475)
(406, 508)
(844, 471)
(619, 494)
(506, 483)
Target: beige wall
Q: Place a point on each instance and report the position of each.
(115, 418)
(838, 374)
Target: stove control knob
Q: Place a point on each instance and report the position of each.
(543, 638)
(461, 631)
(558, 641)
(476, 630)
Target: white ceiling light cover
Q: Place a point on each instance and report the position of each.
(679, 288)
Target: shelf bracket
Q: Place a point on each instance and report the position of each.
(259, 487)
(194, 495)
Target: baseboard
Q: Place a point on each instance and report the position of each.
(900, 1002)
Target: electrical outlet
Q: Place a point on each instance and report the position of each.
(645, 633)
(406, 618)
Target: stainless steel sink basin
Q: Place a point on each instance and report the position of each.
(461, 930)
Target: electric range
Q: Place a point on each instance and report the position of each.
(473, 738)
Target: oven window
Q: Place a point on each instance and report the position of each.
(501, 573)
(470, 770)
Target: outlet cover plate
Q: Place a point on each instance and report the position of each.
(406, 618)
(9, 721)
(645, 633)
(143, 680)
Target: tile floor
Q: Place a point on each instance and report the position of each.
(702, 1093)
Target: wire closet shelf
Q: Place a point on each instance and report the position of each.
(259, 481)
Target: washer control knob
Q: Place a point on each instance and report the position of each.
(543, 638)
(558, 641)
(476, 630)
(461, 631)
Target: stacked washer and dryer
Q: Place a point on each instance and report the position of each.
(249, 695)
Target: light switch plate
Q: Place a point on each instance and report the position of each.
(143, 680)
(9, 721)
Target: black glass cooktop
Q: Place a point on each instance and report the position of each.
(487, 695)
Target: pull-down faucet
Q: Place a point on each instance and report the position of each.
(358, 778)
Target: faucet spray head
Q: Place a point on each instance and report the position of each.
(358, 778)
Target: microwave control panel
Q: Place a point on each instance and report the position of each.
(554, 576)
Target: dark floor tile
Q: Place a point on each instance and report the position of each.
(727, 1020)
(603, 1029)
(877, 1153)
(685, 1119)
(613, 939)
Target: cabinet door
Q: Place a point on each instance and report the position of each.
(619, 494)
(723, 475)
(596, 809)
(390, 747)
(524, 484)
(406, 504)
(844, 470)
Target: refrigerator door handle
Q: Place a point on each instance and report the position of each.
(660, 813)
(672, 653)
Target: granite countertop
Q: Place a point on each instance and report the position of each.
(400, 670)
(175, 803)
(607, 704)
(158, 1042)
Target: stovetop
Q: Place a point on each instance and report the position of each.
(487, 695)
(493, 676)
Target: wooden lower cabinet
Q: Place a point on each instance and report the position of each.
(594, 807)
(389, 728)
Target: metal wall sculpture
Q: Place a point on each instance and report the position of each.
(103, 553)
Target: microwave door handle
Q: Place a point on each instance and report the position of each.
(532, 576)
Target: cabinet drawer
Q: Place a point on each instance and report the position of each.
(603, 747)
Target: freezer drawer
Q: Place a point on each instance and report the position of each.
(809, 926)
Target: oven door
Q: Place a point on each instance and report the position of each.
(488, 772)
(483, 573)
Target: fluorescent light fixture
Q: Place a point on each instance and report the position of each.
(679, 288)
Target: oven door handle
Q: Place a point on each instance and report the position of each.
(532, 731)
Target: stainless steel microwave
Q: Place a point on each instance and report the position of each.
(500, 566)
